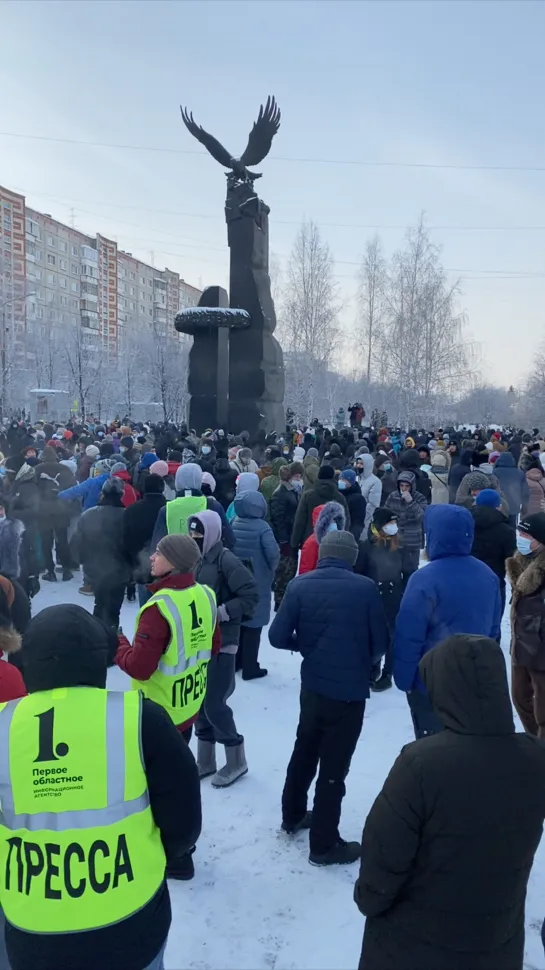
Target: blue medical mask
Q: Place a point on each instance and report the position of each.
(387, 466)
(524, 546)
(297, 484)
(206, 449)
(333, 527)
(342, 486)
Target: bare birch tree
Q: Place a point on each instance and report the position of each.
(426, 352)
(83, 364)
(308, 317)
(370, 326)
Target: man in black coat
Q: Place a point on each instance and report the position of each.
(450, 841)
(495, 540)
(325, 490)
(282, 510)
(357, 505)
(137, 527)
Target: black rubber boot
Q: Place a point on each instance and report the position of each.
(299, 826)
(342, 854)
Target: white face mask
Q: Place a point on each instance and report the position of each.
(524, 546)
(390, 529)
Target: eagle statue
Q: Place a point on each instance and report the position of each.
(259, 141)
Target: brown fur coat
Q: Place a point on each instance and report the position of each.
(527, 577)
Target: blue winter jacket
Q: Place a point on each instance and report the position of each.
(256, 546)
(513, 483)
(335, 619)
(454, 593)
(88, 490)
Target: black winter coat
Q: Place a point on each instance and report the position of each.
(458, 471)
(234, 586)
(449, 843)
(322, 493)
(356, 509)
(282, 511)
(384, 565)
(98, 546)
(137, 527)
(226, 480)
(495, 540)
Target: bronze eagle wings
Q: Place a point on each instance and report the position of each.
(259, 141)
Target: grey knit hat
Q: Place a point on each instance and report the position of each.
(181, 551)
(339, 545)
(113, 486)
(476, 481)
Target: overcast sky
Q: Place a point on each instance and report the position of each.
(456, 84)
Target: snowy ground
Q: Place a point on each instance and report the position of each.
(255, 902)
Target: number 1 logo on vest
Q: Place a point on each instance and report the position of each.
(46, 750)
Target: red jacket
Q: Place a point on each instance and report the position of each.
(12, 684)
(309, 552)
(141, 659)
(130, 495)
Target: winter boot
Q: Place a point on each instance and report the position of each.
(342, 854)
(303, 823)
(50, 577)
(234, 768)
(383, 683)
(206, 758)
(86, 590)
(255, 674)
(67, 575)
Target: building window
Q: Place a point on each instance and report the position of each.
(51, 241)
(74, 286)
(143, 280)
(149, 282)
(75, 251)
(132, 290)
(52, 279)
(40, 312)
(142, 309)
(132, 276)
(64, 301)
(50, 296)
(62, 246)
(74, 304)
(132, 306)
(150, 311)
(63, 265)
(62, 282)
(74, 269)
(51, 260)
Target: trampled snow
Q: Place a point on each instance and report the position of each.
(255, 902)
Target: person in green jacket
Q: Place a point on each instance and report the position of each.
(272, 481)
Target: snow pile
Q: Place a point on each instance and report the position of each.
(255, 902)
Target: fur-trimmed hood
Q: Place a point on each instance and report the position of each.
(526, 574)
(332, 512)
(10, 640)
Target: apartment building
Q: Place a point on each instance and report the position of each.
(13, 290)
(57, 282)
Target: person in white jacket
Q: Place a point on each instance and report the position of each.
(370, 485)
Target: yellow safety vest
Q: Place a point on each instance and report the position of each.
(179, 510)
(79, 848)
(179, 683)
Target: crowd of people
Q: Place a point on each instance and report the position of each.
(383, 557)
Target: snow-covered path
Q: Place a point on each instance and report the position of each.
(255, 902)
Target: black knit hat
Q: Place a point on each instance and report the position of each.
(382, 516)
(326, 473)
(64, 646)
(534, 525)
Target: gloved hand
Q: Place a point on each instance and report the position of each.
(33, 586)
(406, 496)
(223, 615)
